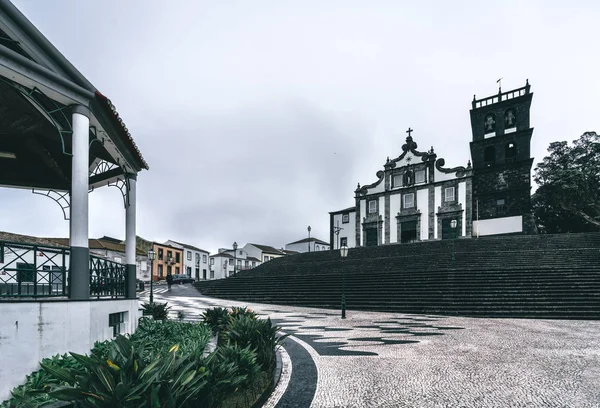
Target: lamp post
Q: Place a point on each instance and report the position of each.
(151, 256)
(235, 247)
(344, 254)
(453, 226)
(308, 238)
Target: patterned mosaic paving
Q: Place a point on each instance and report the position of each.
(395, 360)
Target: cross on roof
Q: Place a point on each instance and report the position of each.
(408, 131)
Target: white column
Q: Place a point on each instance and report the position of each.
(130, 238)
(79, 257)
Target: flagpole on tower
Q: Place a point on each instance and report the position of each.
(499, 82)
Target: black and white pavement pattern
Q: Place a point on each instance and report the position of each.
(374, 359)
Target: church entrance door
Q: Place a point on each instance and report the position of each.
(408, 231)
(371, 239)
(447, 231)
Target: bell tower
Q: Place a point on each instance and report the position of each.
(502, 162)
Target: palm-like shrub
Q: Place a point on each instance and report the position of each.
(259, 335)
(217, 318)
(158, 311)
(242, 311)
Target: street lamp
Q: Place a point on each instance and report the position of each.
(151, 256)
(309, 238)
(453, 226)
(235, 247)
(344, 254)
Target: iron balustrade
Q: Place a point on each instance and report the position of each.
(28, 270)
(107, 278)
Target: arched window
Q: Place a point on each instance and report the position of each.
(489, 156)
(510, 119)
(489, 123)
(510, 151)
(317, 248)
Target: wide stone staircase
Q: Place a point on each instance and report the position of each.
(539, 276)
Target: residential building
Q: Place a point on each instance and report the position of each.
(195, 260)
(222, 263)
(168, 260)
(416, 198)
(264, 253)
(308, 245)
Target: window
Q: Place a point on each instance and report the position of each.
(500, 205)
(317, 248)
(239, 262)
(266, 258)
(246, 263)
(510, 151)
(409, 200)
(449, 194)
(343, 241)
(160, 254)
(160, 271)
(169, 255)
(397, 181)
(204, 258)
(489, 156)
(177, 270)
(420, 176)
(188, 270)
(253, 264)
(345, 218)
(372, 207)
(189, 255)
(115, 320)
(212, 260)
(212, 274)
(177, 257)
(489, 124)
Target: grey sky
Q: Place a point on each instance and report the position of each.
(258, 118)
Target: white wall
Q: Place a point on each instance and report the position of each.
(382, 215)
(437, 202)
(462, 198)
(495, 226)
(423, 206)
(394, 210)
(439, 176)
(32, 331)
(348, 231)
(363, 213)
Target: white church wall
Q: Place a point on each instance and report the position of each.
(382, 214)
(32, 331)
(462, 199)
(423, 207)
(439, 176)
(363, 213)
(394, 209)
(379, 188)
(437, 204)
(505, 225)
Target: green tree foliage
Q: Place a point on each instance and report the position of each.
(568, 196)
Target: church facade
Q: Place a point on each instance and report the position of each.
(417, 198)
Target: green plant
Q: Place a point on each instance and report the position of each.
(242, 311)
(180, 315)
(217, 318)
(158, 311)
(260, 335)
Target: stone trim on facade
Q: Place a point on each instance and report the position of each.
(400, 218)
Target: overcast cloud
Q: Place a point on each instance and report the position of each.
(258, 118)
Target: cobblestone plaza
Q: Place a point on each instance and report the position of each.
(399, 360)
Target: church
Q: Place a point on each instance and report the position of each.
(417, 198)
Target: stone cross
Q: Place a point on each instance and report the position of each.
(409, 131)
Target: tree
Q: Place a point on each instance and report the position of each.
(568, 196)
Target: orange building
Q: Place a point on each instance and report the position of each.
(169, 260)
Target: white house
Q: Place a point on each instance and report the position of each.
(263, 253)
(222, 263)
(195, 260)
(308, 245)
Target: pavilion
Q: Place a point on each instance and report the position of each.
(60, 137)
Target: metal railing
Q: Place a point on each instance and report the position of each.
(29, 270)
(501, 96)
(32, 270)
(107, 278)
